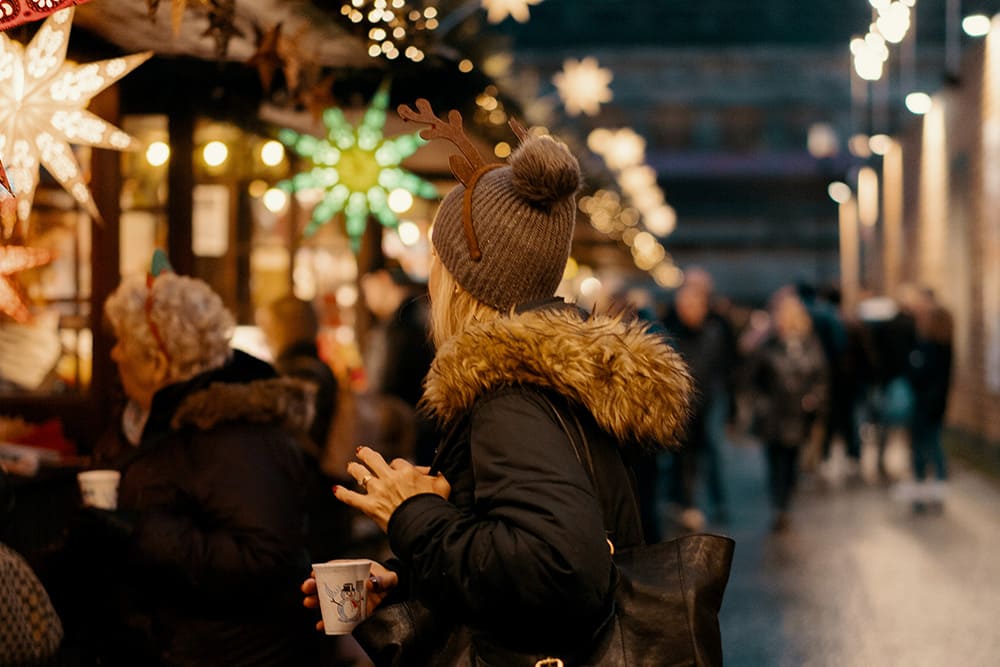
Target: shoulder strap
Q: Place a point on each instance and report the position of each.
(581, 449)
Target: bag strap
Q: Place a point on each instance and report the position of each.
(583, 456)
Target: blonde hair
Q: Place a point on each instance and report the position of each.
(194, 326)
(452, 308)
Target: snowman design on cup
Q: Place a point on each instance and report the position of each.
(349, 602)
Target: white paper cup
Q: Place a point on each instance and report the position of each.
(99, 488)
(343, 596)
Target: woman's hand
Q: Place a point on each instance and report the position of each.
(387, 485)
(380, 582)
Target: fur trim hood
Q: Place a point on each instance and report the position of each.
(635, 386)
(286, 401)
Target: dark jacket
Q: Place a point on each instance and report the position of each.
(519, 551)
(930, 376)
(302, 361)
(790, 389)
(215, 489)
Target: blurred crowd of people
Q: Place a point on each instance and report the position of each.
(800, 377)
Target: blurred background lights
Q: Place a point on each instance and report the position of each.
(275, 200)
(879, 144)
(502, 150)
(409, 233)
(157, 154)
(918, 103)
(465, 66)
(859, 146)
(257, 188)
(822, 140)
(400, 201)
(272, 153)
(839, 191)
(977, 25)
(346, 295)
(215, 153)
(589, 287)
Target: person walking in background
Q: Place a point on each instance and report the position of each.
(208, 539)
(700, 342)
(929, 373)
(398, 353)
(506, 535)
(789, 380)
(890, 326)
(721, 407)
(290, 327)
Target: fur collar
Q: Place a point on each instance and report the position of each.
(636, 387)
(286, 401)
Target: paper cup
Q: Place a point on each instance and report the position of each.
(99, 488)
(343, 596)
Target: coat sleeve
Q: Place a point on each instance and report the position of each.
(533, 545)
(236, 523)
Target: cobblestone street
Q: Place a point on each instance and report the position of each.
(859, 579)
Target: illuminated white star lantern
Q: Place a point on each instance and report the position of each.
(42, 110)
(583, 86)
(357, 169)
(498, 10)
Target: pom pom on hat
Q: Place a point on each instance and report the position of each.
(544, 172)
(523, 216)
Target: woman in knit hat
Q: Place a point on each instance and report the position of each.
(505, 537)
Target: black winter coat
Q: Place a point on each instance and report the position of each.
(215, 488)
(930, 376)
(519, 551)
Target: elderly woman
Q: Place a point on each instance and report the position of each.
(506, 534)
(211, 491)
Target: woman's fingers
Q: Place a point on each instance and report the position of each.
(360, 473)
(353, 498)
(373, 460)
(309, 585)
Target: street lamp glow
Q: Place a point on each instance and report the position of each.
(215, 153)
(918, 103)
(839, 191)
(157, 154)
(977, 25)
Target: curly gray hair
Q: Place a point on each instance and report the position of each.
(189, 318)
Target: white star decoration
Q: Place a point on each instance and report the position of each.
(42, 110)
(583, 86)
(498, 10)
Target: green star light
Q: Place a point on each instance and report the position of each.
(357, 168)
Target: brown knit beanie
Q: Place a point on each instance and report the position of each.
(523, 216)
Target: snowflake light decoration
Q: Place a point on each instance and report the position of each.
(583, 86)
(357, 168)
(498, 10)
(42, 110)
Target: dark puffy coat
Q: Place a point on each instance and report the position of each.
(519, 551)
(215, 489)
(790, 388)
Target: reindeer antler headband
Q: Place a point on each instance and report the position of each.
(468, 167)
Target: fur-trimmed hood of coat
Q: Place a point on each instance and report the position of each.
(632, 382)
(275, 400)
